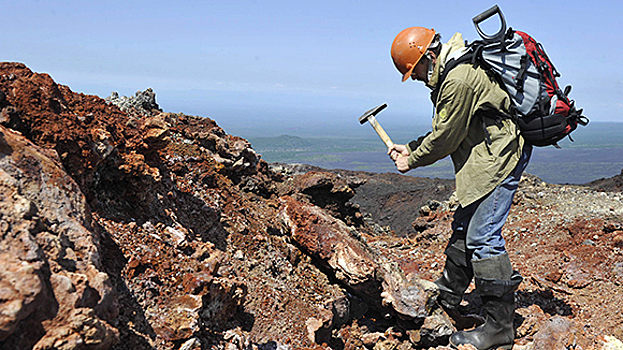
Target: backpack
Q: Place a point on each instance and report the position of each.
(543, 112)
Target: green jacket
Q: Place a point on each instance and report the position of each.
(466, 95)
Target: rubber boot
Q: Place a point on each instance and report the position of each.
(496, 284)
(456, 277)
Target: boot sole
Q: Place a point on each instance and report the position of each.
(505, 347)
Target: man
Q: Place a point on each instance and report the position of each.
(471, 125)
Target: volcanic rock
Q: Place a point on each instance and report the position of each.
(133, 228)
(53, 281)
(142, 103)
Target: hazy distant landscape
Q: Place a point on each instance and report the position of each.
(596, 153)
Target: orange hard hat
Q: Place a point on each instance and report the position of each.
(409, 47)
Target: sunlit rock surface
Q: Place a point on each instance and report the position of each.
(126, 227)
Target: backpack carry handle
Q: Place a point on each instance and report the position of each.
(499, 36)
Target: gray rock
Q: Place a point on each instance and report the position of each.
(142, 103)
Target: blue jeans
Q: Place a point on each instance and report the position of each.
(481, 222)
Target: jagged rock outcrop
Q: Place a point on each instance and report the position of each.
(54, 291)
(351, 262)
(133, 228)
(143, 103)
(184, 217)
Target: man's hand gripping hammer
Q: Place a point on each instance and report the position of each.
(369, 116)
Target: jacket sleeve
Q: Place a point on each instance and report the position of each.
(450, 125)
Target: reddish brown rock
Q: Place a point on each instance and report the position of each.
(52, 272)
(533, 318)
(576, 277)
(82, 129)
(354, 263)
(185, 232)
(330, 240)
(156, 132)
(22, 293)
(617, 240)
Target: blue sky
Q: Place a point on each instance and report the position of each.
(290, 66)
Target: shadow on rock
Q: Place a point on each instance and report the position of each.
(134, 329)
(546, 300)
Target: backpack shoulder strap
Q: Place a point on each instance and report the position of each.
(467, 55)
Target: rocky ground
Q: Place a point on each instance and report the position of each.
(124, 227)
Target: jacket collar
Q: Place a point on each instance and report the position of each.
(455, 43)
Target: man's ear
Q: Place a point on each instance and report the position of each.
(433, 56)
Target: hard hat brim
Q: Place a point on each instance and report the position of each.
(408, 73)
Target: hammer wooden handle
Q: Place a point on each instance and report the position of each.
(380, 131)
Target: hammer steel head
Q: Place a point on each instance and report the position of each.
(373, 112)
